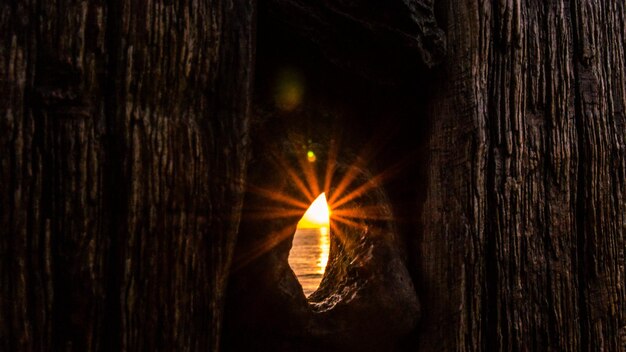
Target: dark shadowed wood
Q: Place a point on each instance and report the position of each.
(123, 150)
(378, 40)
(523, 227)
(123, 144)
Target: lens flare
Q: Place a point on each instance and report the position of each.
(329, 207)
(289, 89)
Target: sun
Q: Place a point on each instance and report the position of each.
(317, 216)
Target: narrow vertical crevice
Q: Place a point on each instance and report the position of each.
(44, 66)
(580, 251)
(41, 228)
(490, 303)
(580, 223)
(113, 176)
(547, 141)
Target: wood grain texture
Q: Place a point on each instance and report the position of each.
(123, 148)
(123, 136)
(523, 233)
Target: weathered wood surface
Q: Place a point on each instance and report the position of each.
(524, 224)
(123, 145)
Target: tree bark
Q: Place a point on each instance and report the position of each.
(523, 229)
(123, 150)
(123, 133)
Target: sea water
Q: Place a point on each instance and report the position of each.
(308, 257)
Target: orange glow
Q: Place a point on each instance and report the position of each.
(311, 246)
(324, 250)
(317, 216)
(313, 229)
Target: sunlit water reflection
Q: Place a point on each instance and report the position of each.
(308, 257)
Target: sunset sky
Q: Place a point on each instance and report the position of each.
(317, 215)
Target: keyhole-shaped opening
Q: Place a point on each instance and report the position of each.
(309, 252)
